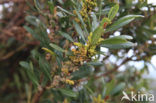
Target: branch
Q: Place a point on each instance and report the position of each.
(13, 52)
(37, 95)
(109, 72)
(113, 70)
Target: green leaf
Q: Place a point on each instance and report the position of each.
(17, 81)
(112, 13)
(49, 51)
(40, 34)
(118, 89)
(57, 47)
(125, 37)
(109, 86)
(30, 72)
(117, 42)
(31, 32)
(68, 92)
(33, 20)
(65, 11)
(114, 40)
(61, 2)
(67, 36)
(79, 30)
(118, 46)
(95, 23)
(24, 64)
(121, 22)
(149, 31)
(83, 71)
(45, 68)
(51, 6)
(95, 63)
(99, 31)
(38, 6)
(80, 18)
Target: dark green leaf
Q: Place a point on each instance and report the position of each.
(118, 89)
(57, 47)
(84, 71)
(95, 63)
(109, 86)
(118, 46)
(79, 30)
(117, 42)
(114, 40)
(30, 72)
(51, 6)
(24, 64)
(31, 32)
(67, 36)
(33, 20)
(65, 11)
(68, 92)
(83, 24)
(45, 68)
(121, 22)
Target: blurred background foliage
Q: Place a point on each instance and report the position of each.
(32, 71)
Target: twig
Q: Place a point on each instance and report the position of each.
(13, 52)
(109, 72)
(37, 96)
(113, 70)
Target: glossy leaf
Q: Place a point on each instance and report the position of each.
(121, 22)
(118, 46)
(117, 42)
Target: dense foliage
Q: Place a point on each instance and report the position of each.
(76, 50)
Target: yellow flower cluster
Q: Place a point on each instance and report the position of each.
(70, 82)
(66, 70)
(87, 8)
(65, 101)
(83, 52)
(79, 56)
(65, 77)
(98, 99)
(59, 81)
